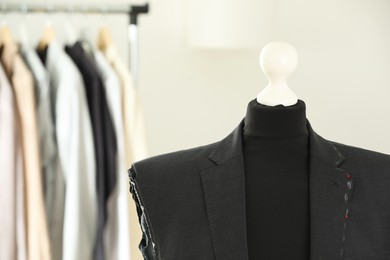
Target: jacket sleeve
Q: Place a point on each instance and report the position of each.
(146, 245)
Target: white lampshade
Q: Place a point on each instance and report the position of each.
(229, 24)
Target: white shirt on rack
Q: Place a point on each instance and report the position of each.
(117, 227)
(76, 152)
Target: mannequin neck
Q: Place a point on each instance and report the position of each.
(275, 121)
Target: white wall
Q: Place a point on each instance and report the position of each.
(193, 97)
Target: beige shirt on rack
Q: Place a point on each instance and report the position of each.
(135, 137)
(12, 197)
(38, 246)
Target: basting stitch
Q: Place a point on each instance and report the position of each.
(347, 195)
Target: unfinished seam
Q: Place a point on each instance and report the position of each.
(147, 233)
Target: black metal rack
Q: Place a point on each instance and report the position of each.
(133, 11)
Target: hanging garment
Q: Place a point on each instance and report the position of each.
(117, 228)
(12, 193)
(52, 176)
(103, 135)
(76, 153)
(135, 135)
(38, 244)
(191, 203)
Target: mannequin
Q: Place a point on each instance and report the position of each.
(247, 196)
(276, 163)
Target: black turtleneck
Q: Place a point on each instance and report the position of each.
(276, 163)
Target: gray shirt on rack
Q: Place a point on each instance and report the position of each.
(52, 175)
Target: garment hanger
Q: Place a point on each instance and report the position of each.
(278, 60)
(104, 35)
(5, 32)
(104, 38)
(5, 35)
(85, 38)
(70, 33)
(24, 39)
(48, 35)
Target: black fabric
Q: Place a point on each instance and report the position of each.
(276, 163)
(194, 201)
(103, 136)
(42, 53)
(146, 245)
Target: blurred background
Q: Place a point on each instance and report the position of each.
(198, 63)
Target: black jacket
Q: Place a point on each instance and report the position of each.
(191, 203)
(103, 136)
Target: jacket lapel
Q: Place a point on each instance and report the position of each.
(224, 192)
(329, 193)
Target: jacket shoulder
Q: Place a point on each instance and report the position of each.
(363, 155)
(371, 167)
(173, 163)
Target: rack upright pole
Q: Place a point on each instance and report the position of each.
(135, 10)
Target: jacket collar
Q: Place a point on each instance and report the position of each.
(224, 192)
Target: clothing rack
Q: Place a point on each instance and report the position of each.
(133, 11)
